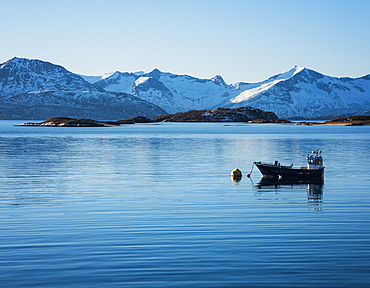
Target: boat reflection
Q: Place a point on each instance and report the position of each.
(314, 188)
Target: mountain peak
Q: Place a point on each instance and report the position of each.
(219, 80)
(17, 59)
(24, 60)
(13, 62)
(25, 64)
(22, 75)
(289, 74)
(155, 73)
(298, 68)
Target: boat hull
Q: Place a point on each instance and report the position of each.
(285, 172)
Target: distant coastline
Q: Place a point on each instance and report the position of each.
(242, 114)
(71, 122)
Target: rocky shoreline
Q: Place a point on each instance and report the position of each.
(346, 121)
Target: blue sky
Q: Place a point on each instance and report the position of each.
(241, 40)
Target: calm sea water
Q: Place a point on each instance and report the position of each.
(150, 205)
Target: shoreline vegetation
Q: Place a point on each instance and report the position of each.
(242, 114)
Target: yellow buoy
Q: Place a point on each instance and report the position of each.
(236, 175)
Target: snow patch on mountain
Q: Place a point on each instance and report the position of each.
(265, 85)
(118, 82)
(141, 80)
(93, 79)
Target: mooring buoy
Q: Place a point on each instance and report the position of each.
(236, 175)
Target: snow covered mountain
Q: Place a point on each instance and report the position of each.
(300, 92)
(174, 93)
(34, 89)
(20, 75)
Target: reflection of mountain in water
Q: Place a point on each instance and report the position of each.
(314, 188)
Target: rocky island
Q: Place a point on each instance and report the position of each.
(242, 114)
(71, 122)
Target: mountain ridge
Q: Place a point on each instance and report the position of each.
(35, 89)
(311, 94)
(299, 92)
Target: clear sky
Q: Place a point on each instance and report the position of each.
(241, 40)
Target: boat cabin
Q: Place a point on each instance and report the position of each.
(314, 160)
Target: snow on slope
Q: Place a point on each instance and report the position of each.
(118, 82)
(152, 90)
(172, 92)
(265, 85)
(93, 79)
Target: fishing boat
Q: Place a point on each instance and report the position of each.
(314, 172)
